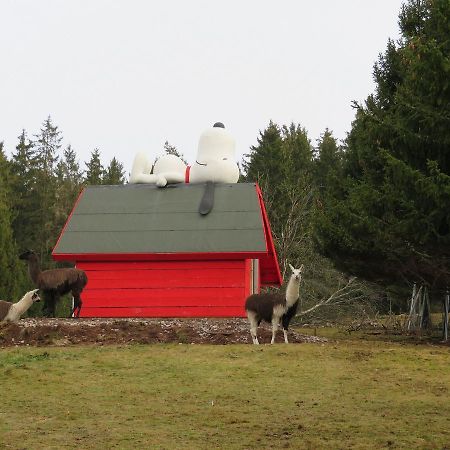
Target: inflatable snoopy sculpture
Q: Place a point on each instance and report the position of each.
(215, 163)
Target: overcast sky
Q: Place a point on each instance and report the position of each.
(128, 75)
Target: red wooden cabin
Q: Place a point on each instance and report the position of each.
(148, 252)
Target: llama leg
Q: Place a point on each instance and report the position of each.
(77, 303)
(49, 308)
(72, 311)
(275, 325)
(285, 322)
(254, 335)
(55, 299)
(49, 305)
(253, 326)
(45, 307)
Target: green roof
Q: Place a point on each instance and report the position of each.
(141, 218)
(143, 221)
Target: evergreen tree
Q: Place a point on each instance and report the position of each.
(11, 274)
(26, 213)
(390, 222)
(281, 164)
(297, 154)
(327, 173)
(68, 186)
(265, 165)
(72, 168)
(265, 162)
(296, 203)
(285, 154)
(114, 173)
(47, 146)
(95, 171)
(328, 169)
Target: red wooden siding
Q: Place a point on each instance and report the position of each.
(165, 288)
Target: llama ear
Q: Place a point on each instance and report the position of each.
(292, 269)
(301, 268)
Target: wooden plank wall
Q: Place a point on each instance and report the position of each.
(165, 289)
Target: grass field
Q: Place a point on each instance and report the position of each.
(338, 395)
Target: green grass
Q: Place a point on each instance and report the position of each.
(339, 395)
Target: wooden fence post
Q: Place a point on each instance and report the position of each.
(446, 312)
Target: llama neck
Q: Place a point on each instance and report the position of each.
(292, 291)
(23, 304)
(33, 269)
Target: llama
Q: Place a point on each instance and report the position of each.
(274, 308)
(11, 312)
(56, 282)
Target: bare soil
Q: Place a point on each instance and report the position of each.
(66, 332)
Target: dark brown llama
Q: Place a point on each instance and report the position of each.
(56, 282)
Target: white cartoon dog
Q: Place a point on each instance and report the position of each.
(215, 162)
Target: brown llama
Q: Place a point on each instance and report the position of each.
(56, 282)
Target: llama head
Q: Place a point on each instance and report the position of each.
(34, 295)
(296, 273)
(27, 255)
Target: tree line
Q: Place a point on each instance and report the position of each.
(39, 184)
(375, 206)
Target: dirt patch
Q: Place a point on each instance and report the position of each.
(65, 332)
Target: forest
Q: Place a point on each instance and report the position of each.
(368, 217)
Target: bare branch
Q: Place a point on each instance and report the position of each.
(347, 292)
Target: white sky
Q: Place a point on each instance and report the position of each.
(127, 75)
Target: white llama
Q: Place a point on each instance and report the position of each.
(11, 312)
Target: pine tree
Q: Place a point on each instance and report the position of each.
(26, 214)
(72, 167)
(285, 154)
(327, 174)
(328, 168)
(114, 173)
(47, 146)
(297, 154)
(390, 222)
(68, 186)
(95, 171)
(265, 162)
(11, 273)
(281, 164)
